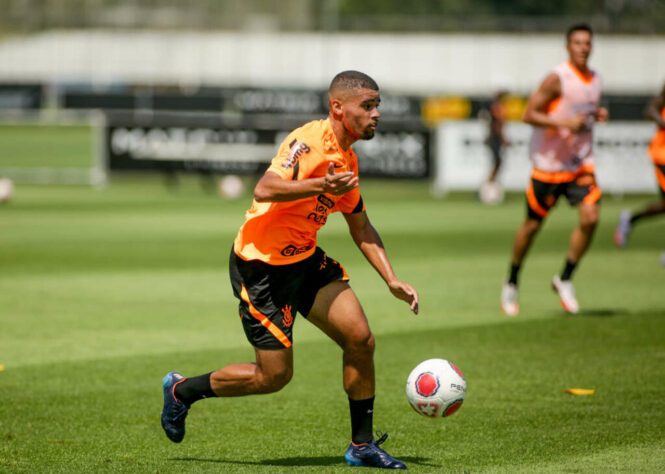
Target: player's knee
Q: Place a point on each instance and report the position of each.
(274, 381)
(361, 344)
(531, 226)
(589, 219)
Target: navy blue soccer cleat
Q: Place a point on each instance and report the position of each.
(175, 411)
(370, 455)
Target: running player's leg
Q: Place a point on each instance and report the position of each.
(627, 218)
(540, 197)
(582, 235)
(652, 209)
(523, 239)
(521, 244)
(338, 313)
(580, 240)
(271, 372)
(584, 193)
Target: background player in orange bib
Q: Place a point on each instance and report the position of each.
(655, 111)
(562, 111)
(277, 270)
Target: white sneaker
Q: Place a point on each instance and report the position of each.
(622, 231)
(566, 294)
(509, 304)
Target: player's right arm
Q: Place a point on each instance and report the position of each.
(536, 112)
(273, 188)
(653, 110)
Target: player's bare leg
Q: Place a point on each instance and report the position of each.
(583, 233)
(627, 219)
(524, 238)
(271, 372)
(337, 312)
(521, 244)
(579, 243)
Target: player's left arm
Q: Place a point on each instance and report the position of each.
(369, 242)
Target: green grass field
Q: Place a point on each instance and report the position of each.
(104, 291)
(46, 146)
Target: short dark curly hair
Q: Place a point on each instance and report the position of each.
(578, 27)
(353, 80)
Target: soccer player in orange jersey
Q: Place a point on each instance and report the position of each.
(277, 270)
(562, 112)
(655, 111)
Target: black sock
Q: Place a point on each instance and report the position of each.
(193, 389)
(514, 270)
(362, 415)
(568, 270)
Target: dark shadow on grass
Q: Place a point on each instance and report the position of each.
(602, 312)
(301, 461)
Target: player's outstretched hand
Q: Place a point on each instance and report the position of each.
(405, 292)
(338, 183)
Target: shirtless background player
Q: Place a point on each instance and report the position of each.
(277, 270)
(562, 111)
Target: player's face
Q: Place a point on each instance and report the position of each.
(579, 48)
(360, 113)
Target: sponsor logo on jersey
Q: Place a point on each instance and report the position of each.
(321, 209)
(292, 250)
(298, 149)
(326, 201)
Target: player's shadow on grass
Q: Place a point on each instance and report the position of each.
(300, 461)
(601, 312)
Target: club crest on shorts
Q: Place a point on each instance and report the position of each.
(427, 384)
(287, 320)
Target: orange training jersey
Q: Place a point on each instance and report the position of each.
(280, 233)
(657, 145)
(560, 149)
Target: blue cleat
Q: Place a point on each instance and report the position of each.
(370, 455)
(175, 411)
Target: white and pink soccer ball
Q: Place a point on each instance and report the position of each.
(436, 388)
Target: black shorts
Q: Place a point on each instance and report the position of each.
(270, 295)
(541, 196)
(660, 176)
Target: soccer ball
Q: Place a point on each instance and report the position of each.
(436, 388)
(231, 187)
(6, 189)
(491, 193)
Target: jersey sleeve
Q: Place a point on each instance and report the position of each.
(351, 202)
(296, 159)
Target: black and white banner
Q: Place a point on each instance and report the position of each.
(246, 144)
(463, 160)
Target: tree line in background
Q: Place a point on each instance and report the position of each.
(606, 16)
